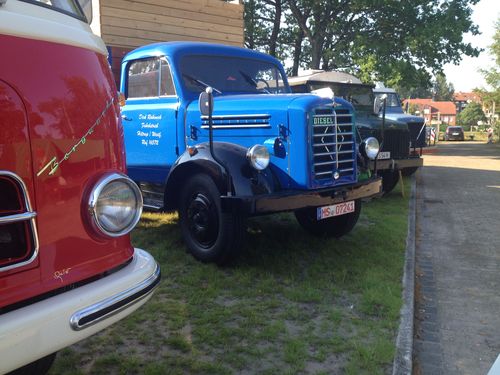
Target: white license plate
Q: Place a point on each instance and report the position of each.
(384, 155)
(454, 133)
(335, 210)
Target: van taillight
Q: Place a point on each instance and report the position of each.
(18, 237)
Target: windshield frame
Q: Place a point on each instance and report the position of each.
(81, 16)
(219, 91)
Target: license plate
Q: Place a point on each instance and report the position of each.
(335, 210)
(384, 155)
(454, 133)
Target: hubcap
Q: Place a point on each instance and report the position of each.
(203, 220)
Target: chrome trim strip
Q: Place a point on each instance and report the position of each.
(237, 126)
(29, 212)
(115, 300)
(17, 217)
(236, 117)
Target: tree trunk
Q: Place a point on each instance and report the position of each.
(273, 40)
(297, 51)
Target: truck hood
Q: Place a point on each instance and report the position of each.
(267, 115)
(409, 119)
(366, 120)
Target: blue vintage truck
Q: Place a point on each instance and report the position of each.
(395, 137)
(249, 147)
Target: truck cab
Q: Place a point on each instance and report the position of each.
(394, 136)
(394, 111)
(67, 266)
(260, 149)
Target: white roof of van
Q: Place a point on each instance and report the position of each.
(322, 76)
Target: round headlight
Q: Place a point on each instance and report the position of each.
(258, 156)
(115, 205)
(370, 147)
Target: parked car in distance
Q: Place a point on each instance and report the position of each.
(454, 133)
(67, 266)
(258, 150)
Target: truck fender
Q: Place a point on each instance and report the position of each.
(244, 180)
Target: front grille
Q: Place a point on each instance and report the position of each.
(18, 239)
(397, 142)
(237, 121)
(333, 147)
(417, 134)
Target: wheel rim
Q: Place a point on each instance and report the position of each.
(202, 220)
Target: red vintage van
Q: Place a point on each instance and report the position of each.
(67, 267)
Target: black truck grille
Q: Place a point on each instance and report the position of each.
(397, 142)
(333, 147)
(417, 134)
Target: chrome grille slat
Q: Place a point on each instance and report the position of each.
(332, 144)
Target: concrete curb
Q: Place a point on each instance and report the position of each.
(403, 363)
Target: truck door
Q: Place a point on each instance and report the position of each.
(149, 120)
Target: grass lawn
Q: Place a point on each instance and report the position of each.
(291, 303)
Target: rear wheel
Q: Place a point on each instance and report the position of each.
(210, 234)
(336, 226)
(389, 180)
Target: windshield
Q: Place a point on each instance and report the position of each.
(358, 96)
(392, 99)
(226, 74)
(81, 9)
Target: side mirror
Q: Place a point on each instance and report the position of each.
(378, 103)
(206, 102)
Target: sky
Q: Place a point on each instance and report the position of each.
(466, 75)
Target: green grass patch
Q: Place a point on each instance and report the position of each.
(291, 303)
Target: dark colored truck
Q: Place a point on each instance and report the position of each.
(394, 136)
(258, 149)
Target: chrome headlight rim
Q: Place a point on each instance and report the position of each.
(98, 188)
(258, 156)
(370, 148)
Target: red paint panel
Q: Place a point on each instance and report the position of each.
(60, 107)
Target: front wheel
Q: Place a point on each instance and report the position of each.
(389, 180)
(336, 226)
(210, 234)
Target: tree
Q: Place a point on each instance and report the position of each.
(471, 114)
(390, 41)
(442, 90)
(492, 77)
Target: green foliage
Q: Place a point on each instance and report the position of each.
(442, 90)
(471, 114)
(390, 41)
(492, 76)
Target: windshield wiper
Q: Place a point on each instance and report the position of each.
(200, 83)
(252, 81)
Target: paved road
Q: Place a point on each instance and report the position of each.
(457, 324)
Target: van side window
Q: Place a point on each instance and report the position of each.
(150, 78)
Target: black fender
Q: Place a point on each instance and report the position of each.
(244, 180)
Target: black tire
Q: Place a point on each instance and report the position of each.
(336, 226)
(39, 367)
(409, 171)
(209, 234)
(389, 180)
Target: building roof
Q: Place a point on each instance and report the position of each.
(466, 97)
(445, 108)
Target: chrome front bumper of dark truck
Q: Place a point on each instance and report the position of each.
(290, 200)
(393, 164)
